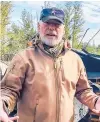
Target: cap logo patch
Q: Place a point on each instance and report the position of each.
(53, 12)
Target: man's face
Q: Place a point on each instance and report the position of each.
(50, 34)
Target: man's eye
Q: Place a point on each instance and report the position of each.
(54, 24)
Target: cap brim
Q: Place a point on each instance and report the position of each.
(52, 19)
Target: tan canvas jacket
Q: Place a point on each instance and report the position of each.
(45, 87)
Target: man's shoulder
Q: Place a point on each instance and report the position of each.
(25, 53)
(72, 53)
(28, 49)
(74, 57)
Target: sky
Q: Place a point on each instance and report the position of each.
(91, 13)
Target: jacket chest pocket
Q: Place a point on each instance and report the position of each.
(70, 75)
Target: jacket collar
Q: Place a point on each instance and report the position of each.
(37, 43)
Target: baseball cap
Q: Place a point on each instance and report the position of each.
(52, 15)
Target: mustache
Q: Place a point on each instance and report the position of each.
(51, 33)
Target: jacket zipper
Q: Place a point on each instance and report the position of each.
(62, 70)
(57, 87)
(35, 112)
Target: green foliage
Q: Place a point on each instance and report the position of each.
(94, 50)
(20, 34)
(5, 7)
(77, 23)
(90, 48)
(98, 51)
(5, 10)
(73, 21)
(68, 12)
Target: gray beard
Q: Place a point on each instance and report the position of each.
(54, 51)
(50, 43)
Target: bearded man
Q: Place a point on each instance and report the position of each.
(44, 79)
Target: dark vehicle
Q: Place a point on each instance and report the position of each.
(92, 64)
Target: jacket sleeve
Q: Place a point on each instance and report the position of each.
(84, 92)
(12, 82)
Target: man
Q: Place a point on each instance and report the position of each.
(44, 79)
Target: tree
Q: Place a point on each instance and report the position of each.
(68, 18)
(77, 22)
(73, 21)
(98, 46)
(47, 4)
(20, 34)
(6, 8)
(27, 24)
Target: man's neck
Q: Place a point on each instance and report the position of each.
(55, 51)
